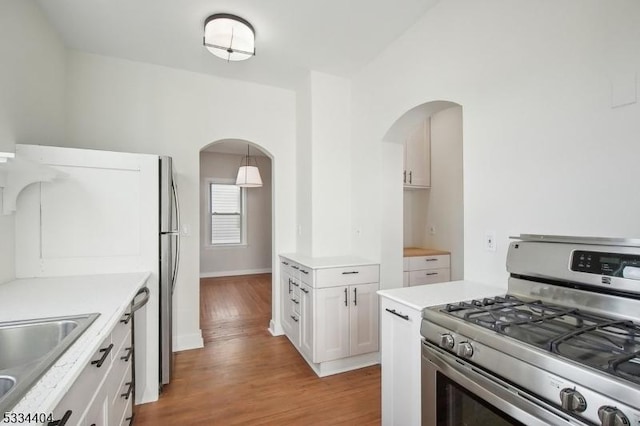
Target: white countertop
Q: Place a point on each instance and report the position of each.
(30, 298)
(422, 296)
(328, 262)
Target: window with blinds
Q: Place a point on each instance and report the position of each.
(226, 214)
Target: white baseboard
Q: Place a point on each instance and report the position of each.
(275, 329)
(234, 273)
(188, 341)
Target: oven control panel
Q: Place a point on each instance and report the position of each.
(601, 263)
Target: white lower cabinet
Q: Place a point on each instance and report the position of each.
(400, 360)
(420, 270)
(330, 314)
(103, 393)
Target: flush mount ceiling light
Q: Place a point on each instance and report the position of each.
(229, 37)
(248, 173)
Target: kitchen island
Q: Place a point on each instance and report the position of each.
(109, 295)
(401, 316)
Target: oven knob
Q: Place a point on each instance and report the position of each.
(572, 400)
(446, 341)
(611, 416)
(465, 350)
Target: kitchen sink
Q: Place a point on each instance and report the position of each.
(6, 383)
(29, 348)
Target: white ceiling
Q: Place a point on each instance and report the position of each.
(292, 36)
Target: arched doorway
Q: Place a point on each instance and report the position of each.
(433, 217)
(236, 230)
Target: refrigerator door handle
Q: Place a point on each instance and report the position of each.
(176, 260)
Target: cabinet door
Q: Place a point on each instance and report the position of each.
(332, 323)
(285, 300)
(363, 319)
(400, 360)
(306, 321)
(418, 156)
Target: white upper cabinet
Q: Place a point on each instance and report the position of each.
(417, 157)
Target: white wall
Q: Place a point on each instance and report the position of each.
(255, 256)
(544, 151)
(324, 162)
(128, 106)
(445, 208)
(32, 67)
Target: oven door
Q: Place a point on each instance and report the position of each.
(456, 393)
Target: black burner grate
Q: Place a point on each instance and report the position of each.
(604, 343)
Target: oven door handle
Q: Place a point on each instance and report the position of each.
(513, 401)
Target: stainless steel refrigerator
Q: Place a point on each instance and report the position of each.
(169, 260)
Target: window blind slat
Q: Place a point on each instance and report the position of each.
(226, 225)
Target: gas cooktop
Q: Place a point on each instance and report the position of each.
(607, 344)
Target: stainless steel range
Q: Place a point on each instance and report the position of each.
(562, 347)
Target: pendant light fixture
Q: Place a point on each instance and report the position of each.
(248, 173)
(229, 37)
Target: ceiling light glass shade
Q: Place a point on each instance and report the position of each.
(249, 177)
(229, 37)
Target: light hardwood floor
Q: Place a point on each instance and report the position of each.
(246, 376)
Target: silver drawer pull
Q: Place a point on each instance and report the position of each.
(432, 273)
(350, 272)
(432, 259)
(393, 311)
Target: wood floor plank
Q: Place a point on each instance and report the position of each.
(246, 376)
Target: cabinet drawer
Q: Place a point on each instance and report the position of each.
(121, 334)
(289, 267)
(79, 397)
(392, 311)
(333, 277)
(429, 276)
(122, 398)
(428, 262)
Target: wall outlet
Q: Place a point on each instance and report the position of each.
(490, 240)
(432, 230)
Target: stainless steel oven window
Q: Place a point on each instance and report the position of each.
(456, 406)
(441, 405)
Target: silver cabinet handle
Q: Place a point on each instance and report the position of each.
(411, 177)
(393, 311)
(431, 273)
(355, 296)
(350, 272)
(140, 304)
(304, 290)
(345, 298)
(431, 259)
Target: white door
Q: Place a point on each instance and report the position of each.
(400, 361)
(363, 321)
(418, 156)
(287, 305)
(332, 319)
(306, 321)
